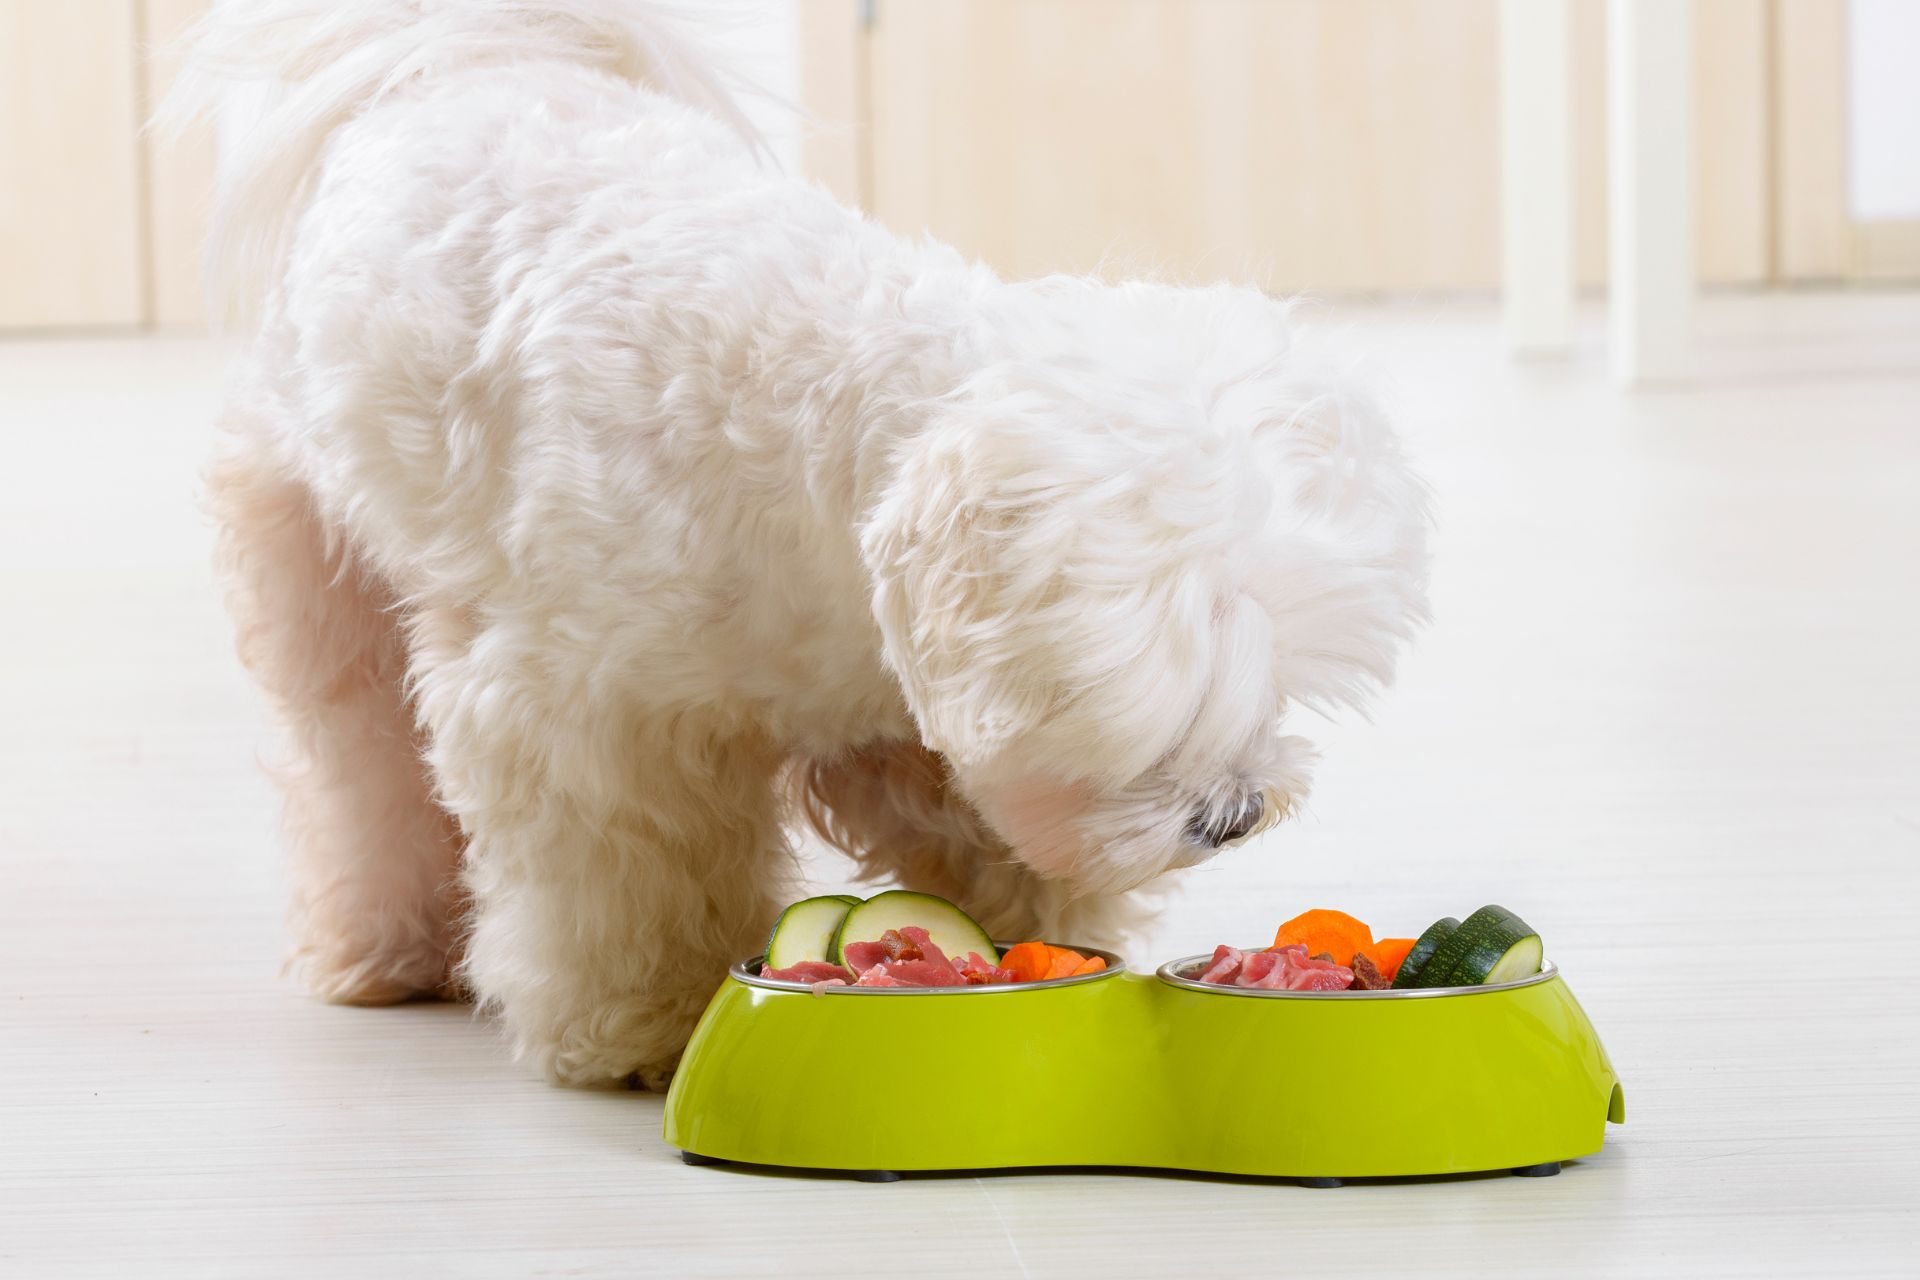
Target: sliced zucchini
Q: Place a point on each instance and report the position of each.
(1423, 948)
(1491, 945)
(952, 930)
(805, 930)
(1522, 960)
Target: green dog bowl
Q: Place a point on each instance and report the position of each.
(1119, 1069)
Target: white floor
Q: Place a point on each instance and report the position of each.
(1669, 711)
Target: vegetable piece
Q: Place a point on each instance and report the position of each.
(1066, 962)
(1387, 954)
(1334, 932)
(954, 931)
(1491, 945)
(1038, 961)
(804, 932)
(1028, 961)
(1423, 948)
(1521, 960)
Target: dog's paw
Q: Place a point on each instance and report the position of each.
(633, 1042)
(599, 1066)
(363, 970)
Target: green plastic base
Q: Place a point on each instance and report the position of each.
(1131, 1071)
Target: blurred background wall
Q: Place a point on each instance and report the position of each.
(99, 226)
(1338, 146)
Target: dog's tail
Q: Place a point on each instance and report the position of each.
(325, 61)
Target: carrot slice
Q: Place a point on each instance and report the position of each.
(1028, 961)
(1388, 953)
(1334, 932)
(1038, 961)
(1065, 961)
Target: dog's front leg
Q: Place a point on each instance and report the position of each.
(616, 866)
(603, 922)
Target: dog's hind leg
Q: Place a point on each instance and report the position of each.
(618, 860)
(373, 856)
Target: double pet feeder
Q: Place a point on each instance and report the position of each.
(1165, 1072)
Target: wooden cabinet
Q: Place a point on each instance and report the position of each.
(1328, 145)
(70, 192)
(99, 220)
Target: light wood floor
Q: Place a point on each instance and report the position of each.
(1669, 710)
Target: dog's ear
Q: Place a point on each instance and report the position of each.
(942, 549)
(1029, 586)
(1344, 554)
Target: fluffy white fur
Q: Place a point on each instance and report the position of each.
(590, 491)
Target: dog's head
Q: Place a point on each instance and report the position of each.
(1116, 557)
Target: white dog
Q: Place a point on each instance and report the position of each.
(594, 495)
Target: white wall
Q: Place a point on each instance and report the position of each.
(762, 37)
(1884, 105)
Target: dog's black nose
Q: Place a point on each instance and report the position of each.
(1218, 828)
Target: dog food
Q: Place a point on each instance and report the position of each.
(1276, 969)
(1367, 976)
(812, 943)
(814, 972)
(1322, 950)
(908, 957)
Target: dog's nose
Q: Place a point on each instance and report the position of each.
(1217, 829)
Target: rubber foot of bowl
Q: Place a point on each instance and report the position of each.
(875, 1175)
(1546, 1170)
(1323, 1182)
(694, 1157)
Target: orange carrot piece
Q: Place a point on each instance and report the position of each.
(1333, 932)
(1038, 961)
(1064, 962)
(1388, 954)
(1028, 961)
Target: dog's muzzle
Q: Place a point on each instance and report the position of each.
(1217, 828)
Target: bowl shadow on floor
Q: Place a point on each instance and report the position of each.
(1119, 1171)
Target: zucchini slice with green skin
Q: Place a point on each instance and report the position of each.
(1491, 945)
(805, 930)
(1522, 960)
(952, 930)
(1423, 948)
